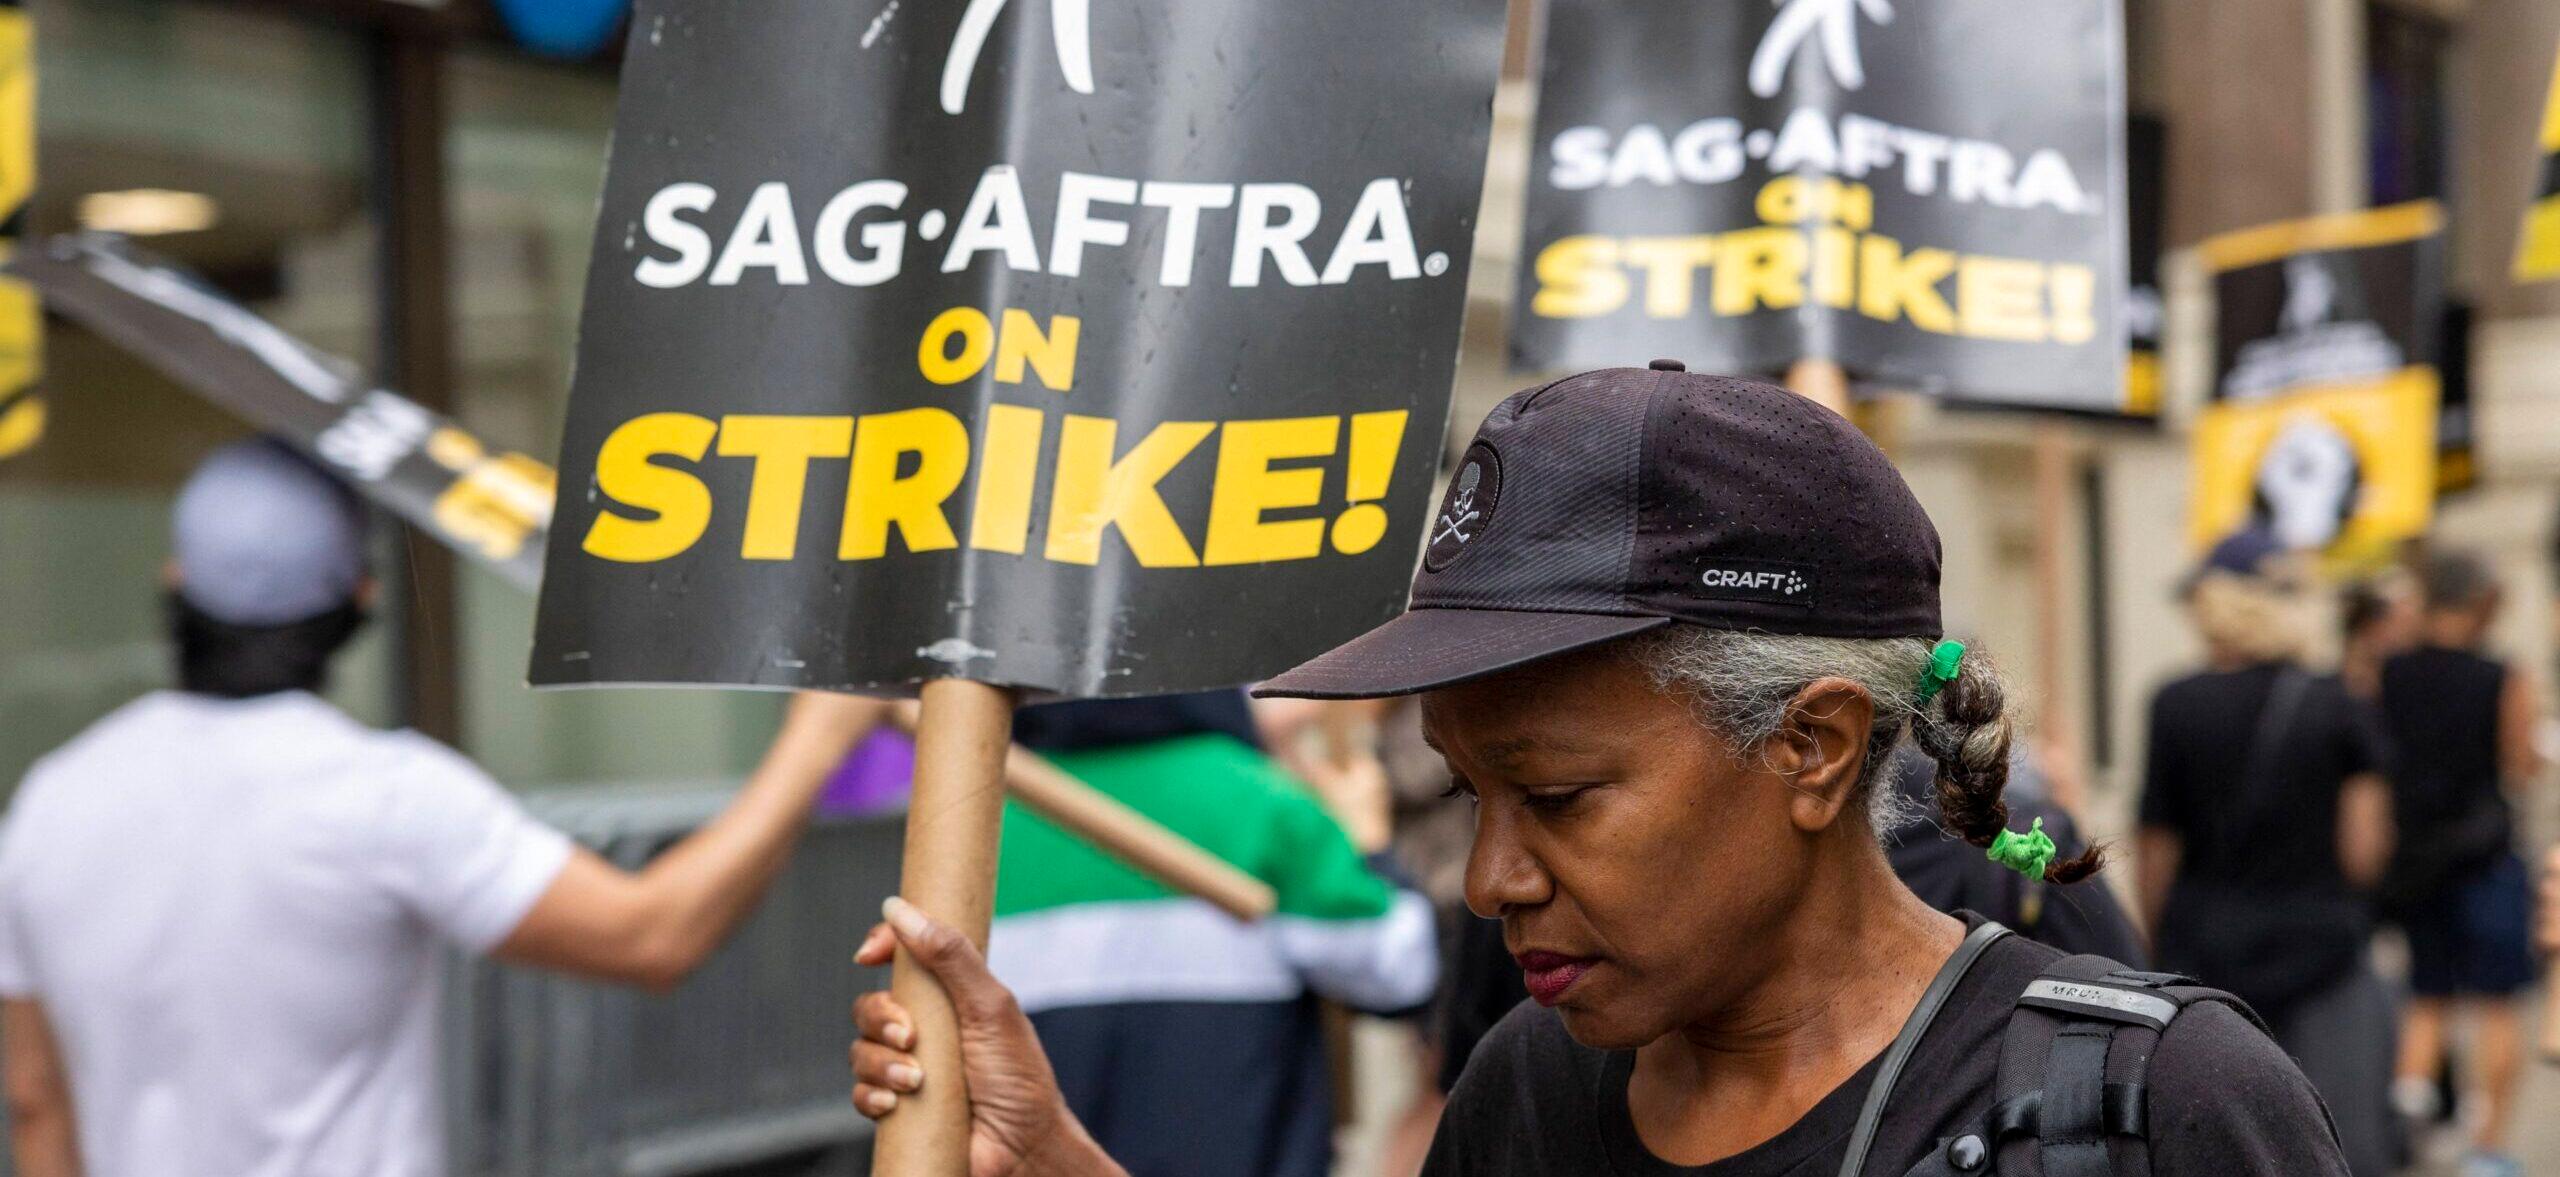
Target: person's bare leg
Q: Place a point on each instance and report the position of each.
(2497, 1050)
(2422, 1038)
(1409, 1141)
(2422, 1030)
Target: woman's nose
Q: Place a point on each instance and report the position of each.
(1502, 874)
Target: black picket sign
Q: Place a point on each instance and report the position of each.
(490, 505)
(2328, 300)
(2327, 402)
(1094, 347)
(1928, 194)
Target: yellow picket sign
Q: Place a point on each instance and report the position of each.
(17, 109)
(2356, 459)
(22, 412)
(21, 423)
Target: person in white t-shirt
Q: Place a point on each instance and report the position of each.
(220, 906)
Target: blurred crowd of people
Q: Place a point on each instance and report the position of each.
(2288, 812)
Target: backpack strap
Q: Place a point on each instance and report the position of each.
(2256, 798)
(1862, 1138)
(2073, 1068)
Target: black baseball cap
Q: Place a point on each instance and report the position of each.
(1624, 500)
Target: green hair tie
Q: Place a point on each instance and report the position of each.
(1945, 662)
(2028, 853)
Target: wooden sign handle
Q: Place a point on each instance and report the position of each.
(949, 871)
(1821, 381)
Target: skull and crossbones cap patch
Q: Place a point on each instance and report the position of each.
(1467, 509)
(1613, 502)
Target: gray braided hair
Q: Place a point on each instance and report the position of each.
(1740, 683)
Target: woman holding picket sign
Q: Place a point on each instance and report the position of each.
(1666, 655)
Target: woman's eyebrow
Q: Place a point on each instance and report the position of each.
(1506, 752)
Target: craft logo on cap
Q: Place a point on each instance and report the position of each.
(1467, 508)
(1752, 580)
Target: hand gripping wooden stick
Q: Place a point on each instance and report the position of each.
(950, 872)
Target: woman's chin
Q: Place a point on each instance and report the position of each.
(1596, 1025)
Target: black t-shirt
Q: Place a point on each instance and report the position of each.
(2442, 708)
(1109, 723)
(2224, 1101)
(2202, 727)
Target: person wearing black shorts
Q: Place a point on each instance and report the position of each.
(2461, 727)
(1685, 621)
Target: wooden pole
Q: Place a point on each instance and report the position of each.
(1134, 838)
(949, 871)
(1821, 381)
(2060, 734)
(409, 110)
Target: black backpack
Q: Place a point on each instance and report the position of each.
(2072, 1069)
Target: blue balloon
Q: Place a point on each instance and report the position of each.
(563, 28)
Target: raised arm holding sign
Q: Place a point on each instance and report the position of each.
(1014, 350)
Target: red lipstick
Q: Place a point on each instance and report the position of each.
(1550, 974)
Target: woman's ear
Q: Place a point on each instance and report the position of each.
(1821, 748)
